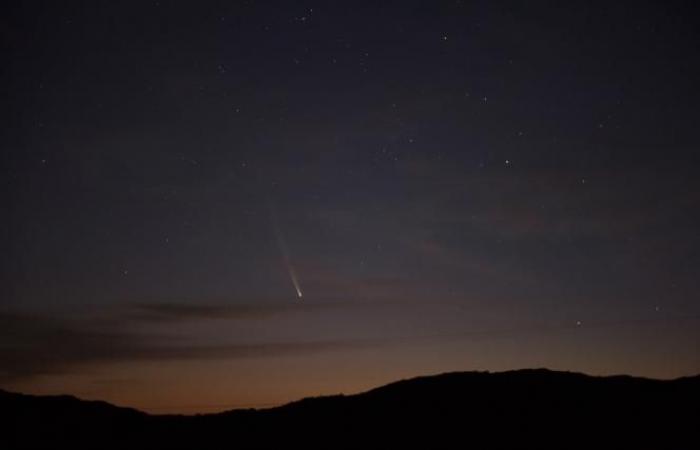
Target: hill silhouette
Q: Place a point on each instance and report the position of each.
(525, 408)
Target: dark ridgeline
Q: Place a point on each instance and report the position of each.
(518, 409)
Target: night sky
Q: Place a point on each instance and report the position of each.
(208, 205)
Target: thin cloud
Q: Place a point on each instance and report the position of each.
(32, 345)
(185, 311)
(175, 311)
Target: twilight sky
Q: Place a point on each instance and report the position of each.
(209, 205)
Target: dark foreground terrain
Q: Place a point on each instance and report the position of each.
(520, 409)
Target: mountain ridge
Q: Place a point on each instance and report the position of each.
(537, 407)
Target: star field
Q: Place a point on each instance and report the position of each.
(452, 185)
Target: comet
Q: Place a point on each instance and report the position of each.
(295, 282)
(284, 249)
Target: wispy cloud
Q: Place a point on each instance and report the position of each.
(179, 311)
(32, 344)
